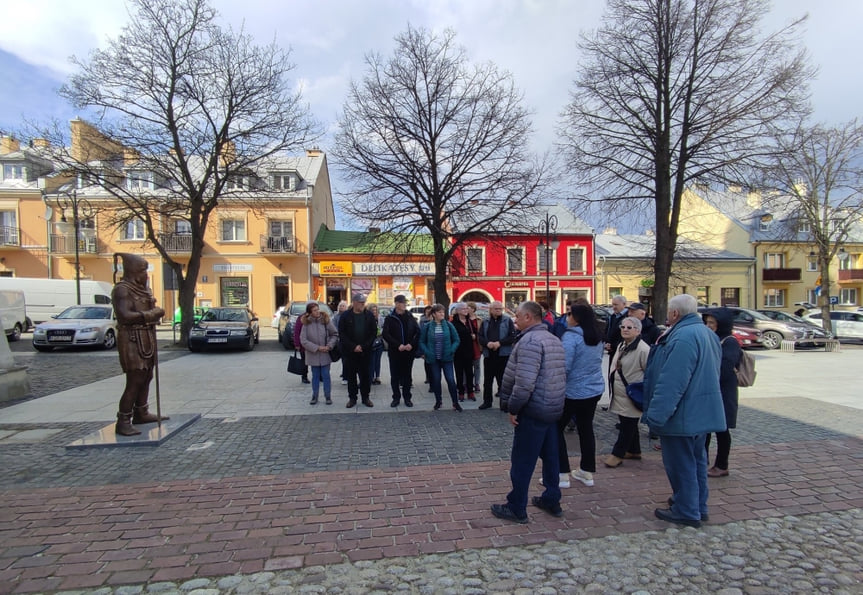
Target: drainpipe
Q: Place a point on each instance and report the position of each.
(753, 297)
(601, 268)
(311, 241)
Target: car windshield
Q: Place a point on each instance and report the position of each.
(85, 313)
(225, 315)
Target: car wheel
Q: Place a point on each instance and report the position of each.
(258, 337)
(287, 341)
(194, 348)
(43, 348)
(110, 340)
(16, 333)
(251, 344)
(29, 323)
(771, 339)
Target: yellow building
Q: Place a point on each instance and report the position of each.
(257, 255)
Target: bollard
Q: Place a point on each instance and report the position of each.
(787, 345)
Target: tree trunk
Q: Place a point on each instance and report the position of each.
(824, 298)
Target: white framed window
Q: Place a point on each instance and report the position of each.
(284, 182)
(233, 230)
(475, 260)
(140, 180)
(614, 291)
(281, 229)
(13, 171)
(812, 264)
(803, 226)
(182, 227)
(847, 264)
(811, 296)
(545, 259)
(848, 296)
(133, 230)
(515, 260)
(576, 260)
(774, 260)
(774, 298)
(8, 219)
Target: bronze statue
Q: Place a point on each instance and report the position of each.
(137, 315)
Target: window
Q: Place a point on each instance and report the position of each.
(8, 228)
(812, 296)
(847, 264)
(544, 259)
(133, 230)
(848, 297)
(515, 260)
(474, 260)
(140, 180)
(8, 219)
(282, 229)
(702, 294)
(576, 260)
(182, 227)
(730, 296)
(512, 299)
(803, 227)
(614, 291)
(284, 182)
(774, 298)
(836, 225)
(812, 264)
(12, 171)
(774, 260)
(233, 230)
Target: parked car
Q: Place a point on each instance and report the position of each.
(819, 333)
(76, 326)
(773, 332)
(178, 317)
(225, 328)
(846, 325)
(747, 337)
(289, 316)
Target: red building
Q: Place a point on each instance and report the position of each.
(511, 268)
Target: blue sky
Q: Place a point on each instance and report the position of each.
(533, 39)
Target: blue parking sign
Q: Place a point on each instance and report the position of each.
(834, 300)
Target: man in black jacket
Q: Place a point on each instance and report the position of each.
(357, 331)
(649, 331)
(401, 333)
(496, 337)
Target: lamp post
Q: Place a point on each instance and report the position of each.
(548, 228)
(79, 207)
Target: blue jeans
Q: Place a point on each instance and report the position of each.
(449, 373)
(375, 363)
(321, 373)
(685, 461)
(533, 439)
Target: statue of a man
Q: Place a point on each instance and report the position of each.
(137, 315)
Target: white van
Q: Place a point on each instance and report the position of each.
(13, 313)
(46, 297)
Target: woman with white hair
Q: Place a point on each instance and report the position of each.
(627, 366)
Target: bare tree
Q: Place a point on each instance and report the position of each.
(195, 109)
(677, 91)
(819, 178)
(433, 144)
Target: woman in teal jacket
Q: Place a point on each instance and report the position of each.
(439, 341)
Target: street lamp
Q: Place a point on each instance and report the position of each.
(80, 207)
(548, 228)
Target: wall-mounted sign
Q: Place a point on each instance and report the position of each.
(232, 268)
(335, 268)
(516, 283)
(394, 268)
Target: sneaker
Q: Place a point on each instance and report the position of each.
(585, 477)
(563, 482)
(553, 509)
(503, 511)
(376, 381)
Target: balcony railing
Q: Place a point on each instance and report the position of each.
(278, 245)
(65, 244)
(176, 242)
(9, 236)
(781, 274)
(851, 275)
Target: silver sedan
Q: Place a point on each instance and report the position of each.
(77, 326)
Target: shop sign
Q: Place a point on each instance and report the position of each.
(232, 268)
(394, 268)
(335, 268)
(509, 284)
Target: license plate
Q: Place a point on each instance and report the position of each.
(217, 340)
(61, 338)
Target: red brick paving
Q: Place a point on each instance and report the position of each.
(67, 538)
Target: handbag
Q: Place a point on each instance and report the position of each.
(336, 353)
(296, 365)
(634, 390)
(745, 368)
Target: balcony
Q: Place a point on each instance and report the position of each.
(176, 242)
(65, 244)
(10, 236)
(279, 245)
(768, 275)
(851, 276)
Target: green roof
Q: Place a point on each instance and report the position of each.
(367, 242)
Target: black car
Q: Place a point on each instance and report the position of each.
(225, 328)
(289, 316)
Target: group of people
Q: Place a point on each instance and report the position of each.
(689, 391)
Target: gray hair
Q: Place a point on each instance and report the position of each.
(533, 309)
(634, 322)
(684, 304)
(619, 298)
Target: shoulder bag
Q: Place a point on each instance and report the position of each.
(296, 365)
(634, 390)
(745, 368)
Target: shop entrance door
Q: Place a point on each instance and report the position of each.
(282, 289)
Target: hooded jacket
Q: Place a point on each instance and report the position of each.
(731, 354)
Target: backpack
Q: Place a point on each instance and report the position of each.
(745, 369)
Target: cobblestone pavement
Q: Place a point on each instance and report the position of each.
(399, 503)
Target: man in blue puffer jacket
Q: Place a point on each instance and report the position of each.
(682, 404)
(534, 385)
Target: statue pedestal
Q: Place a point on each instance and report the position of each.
(14, 383)
(151, 434)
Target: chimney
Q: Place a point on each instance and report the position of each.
(40, 143)
(753, 198)
(9, 144)
(130, 156)
(228, 154)
(314, 152)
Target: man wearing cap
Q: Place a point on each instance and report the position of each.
(357, 331)
(401, 333)
(649, 331)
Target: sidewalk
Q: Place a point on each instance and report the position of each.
(267, 490)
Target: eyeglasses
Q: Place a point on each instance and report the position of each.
(627, 328)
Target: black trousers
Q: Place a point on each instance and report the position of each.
(583, 410)
(493, 367)
(358, 364)
(628, 440)
(401, 374)
(723, 449)
(463, 374)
